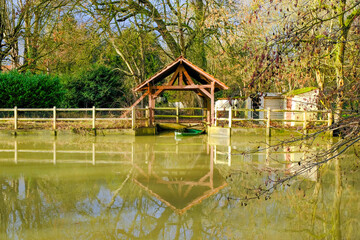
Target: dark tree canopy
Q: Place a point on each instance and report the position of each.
(99, 86)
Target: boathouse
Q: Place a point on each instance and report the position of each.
(185, 76)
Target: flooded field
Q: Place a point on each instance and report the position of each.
(125, 187)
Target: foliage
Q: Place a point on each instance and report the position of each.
(72, 46)
(98, 86)
(300, 91)
(29, 90)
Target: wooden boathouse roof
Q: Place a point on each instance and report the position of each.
(196, 73)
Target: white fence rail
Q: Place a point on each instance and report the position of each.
(305, 117)
(232, 115)
(55, 118)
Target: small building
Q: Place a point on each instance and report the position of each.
(264, 101)
(299, 100)
(302, 99)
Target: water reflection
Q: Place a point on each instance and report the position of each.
(143, 185)
(159, 188)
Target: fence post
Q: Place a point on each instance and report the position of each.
(330, 123)
(230, 117)
(268, 115)
(304, 122)
(54, 120)
(133, 118)
(93, 117)
(177, 113)
(15, 118)
(216, 114)
(147, 116)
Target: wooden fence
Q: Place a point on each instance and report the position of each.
(132, 112)
(142, 114)
(55, 118)
(305, 120)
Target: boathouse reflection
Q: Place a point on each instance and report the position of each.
(178, 181)
(146, 188)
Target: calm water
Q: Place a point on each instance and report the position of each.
(124, 187)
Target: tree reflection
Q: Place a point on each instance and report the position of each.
(163, 189)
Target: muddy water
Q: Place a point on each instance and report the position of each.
(74, 187)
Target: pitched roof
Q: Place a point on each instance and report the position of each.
(195, 72)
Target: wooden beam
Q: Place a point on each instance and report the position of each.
(156, 94)
(187, 76)
(181, 81)
(174, 76)
(183, 87)
(201, 90)
(134, 104)
(212, 99)
(205, 92)
(151, 107)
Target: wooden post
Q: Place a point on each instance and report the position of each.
(147, 121)
(216, 114)
(15, 118)
(268, 116)
(304, 122)
(151, 108)
(93, 117)
(212, 103)
(177, 113)
(208, 111)
(54, 120)
(133, 118)
(330, 123)
(230, 117)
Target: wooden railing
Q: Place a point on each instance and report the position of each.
(177, 114)
(305, 121)
(232, 115)
(133, 118)
(55, 118)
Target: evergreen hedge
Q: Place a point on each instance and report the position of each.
(30, 90)
(98, 86)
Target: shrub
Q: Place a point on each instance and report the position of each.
(29, 90)
(99, 86)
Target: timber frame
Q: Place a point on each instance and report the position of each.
(186, 77)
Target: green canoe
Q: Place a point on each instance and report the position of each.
(188, 132)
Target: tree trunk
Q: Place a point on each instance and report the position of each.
(339, 63)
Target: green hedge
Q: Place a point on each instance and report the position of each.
(98, 86)
(30, 90)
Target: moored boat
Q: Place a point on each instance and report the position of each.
(188, 132)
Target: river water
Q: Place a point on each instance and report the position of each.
(125, 187)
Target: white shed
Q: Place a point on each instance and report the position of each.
(264, 101)
(302, 99)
